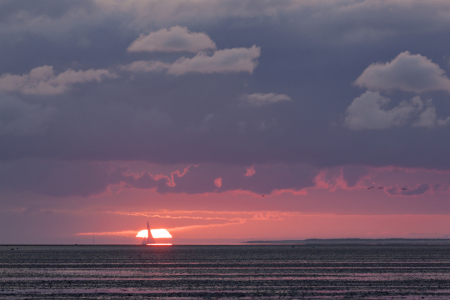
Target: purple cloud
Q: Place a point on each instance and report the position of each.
(265, 180)
(418, 190)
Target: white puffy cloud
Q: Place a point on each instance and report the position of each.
(174, 39)
(406, 72)
(43, 81)
(368, 111)
(233, 60)
(260, 99)
(222, 61)
(20, 118)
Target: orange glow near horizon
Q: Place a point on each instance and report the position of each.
(159, 244)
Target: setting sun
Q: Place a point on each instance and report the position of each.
(160, 233)
(156, 233)
(143, 234)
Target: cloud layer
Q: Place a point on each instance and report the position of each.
(84, 179)
(183, 93)
(63, 179)
(18, 118)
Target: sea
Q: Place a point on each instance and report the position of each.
(225, 272)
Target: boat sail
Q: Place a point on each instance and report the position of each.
(150, 239)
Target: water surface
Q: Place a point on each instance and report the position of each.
(226, 272)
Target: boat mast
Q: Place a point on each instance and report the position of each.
(150, 239)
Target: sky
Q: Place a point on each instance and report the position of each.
(224, 121)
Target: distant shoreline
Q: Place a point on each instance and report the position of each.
(354, 241)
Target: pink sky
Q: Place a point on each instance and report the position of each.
(330, 209)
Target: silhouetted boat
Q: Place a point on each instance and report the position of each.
(149, 239)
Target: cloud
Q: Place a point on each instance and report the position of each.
(233, 60)
(18, 117)
(406, 72)
(443, 122)
(146, 66)
(260, 99)
(57, 178)
(250, 171)
(78, 178)
(347, 177)
(218, 182)
(428, 119)
(149, 12)
(341, 20)
(42, 80)
(418, 190)
(105, 123)
(174, 39)
(265, 179)
(368, 112)
(222, 61)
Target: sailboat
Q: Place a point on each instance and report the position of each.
(153, 237)
(149, 239)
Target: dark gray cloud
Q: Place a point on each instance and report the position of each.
(18, 118)
(265, 180)
(57, 178)
(78, 178)
(308, 52)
